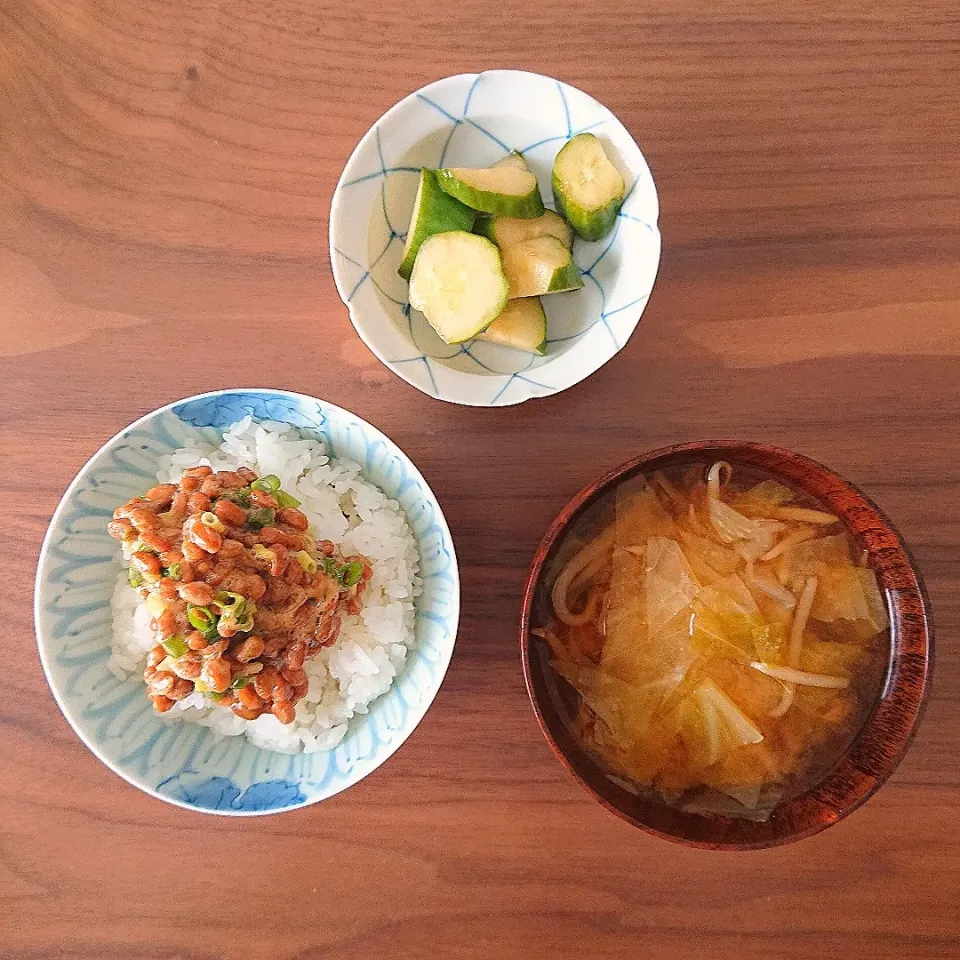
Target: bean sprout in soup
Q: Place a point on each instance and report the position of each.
(720, 638)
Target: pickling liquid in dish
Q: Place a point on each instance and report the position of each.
(717, 638)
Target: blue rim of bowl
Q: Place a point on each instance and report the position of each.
(42, 561)
(336, 201)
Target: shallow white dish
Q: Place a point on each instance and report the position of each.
(474, 120)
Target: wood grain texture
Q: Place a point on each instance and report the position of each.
(165, 176)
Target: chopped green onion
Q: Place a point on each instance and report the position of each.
(173, 571)
(268, 484)
(213, 695)
(134, 577)
(351, 574)
(175, 646)
(202, 619)
(285, 501)
(306, 561)
(212, 521)
(264, 517)
(330, 567)
(241, 682)
(235, 610)
(227, 601)
(240, 497)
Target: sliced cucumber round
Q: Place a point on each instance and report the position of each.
(503, 191)
(587, 187)
(508, 231)
(458, 284)
(522, 325)
(513, 159)
(434, 211)
(539, 266)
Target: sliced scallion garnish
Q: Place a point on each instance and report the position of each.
(262, 517)
(202, 619)
(268, 484)
(285, 501)
(175, 646)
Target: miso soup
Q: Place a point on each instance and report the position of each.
(719, 637)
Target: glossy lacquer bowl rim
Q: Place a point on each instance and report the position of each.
(885, 736)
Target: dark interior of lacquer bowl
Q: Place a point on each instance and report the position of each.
(877, 748)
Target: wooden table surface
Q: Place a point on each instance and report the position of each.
(165, 177)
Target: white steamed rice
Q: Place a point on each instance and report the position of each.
(343, 507)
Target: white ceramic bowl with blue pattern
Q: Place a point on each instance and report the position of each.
(473, 120)
(187, 764)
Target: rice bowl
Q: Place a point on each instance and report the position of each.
(190, 763)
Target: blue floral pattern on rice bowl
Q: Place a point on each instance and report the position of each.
(187, 764)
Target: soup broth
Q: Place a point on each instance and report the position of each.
(718, 637)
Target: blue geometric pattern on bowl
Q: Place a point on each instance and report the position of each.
(474, 120)
(185, 763)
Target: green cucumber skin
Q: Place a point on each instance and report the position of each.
(589, 225)
(567, 278)
(483, 227)
(483, 201)
(448, 214)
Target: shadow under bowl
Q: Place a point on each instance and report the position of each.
(885, 735)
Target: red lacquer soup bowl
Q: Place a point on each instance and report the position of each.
(876, 749)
